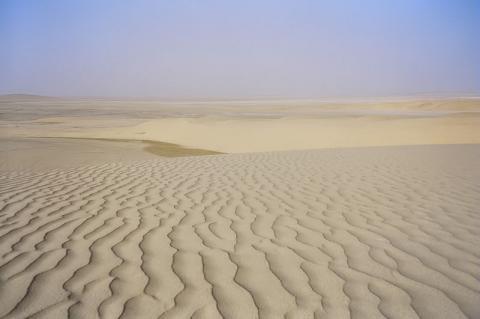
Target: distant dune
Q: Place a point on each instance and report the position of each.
(250, 126)
(25, 97)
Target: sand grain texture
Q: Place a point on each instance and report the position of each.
(387, 232)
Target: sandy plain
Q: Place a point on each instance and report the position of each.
(311, 210)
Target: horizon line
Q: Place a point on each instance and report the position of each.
(426, 95)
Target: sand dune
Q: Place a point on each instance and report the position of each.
(232, 135)
(248, 126)
(91, 228)
(355, 233)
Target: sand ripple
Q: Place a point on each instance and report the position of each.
(371, 233)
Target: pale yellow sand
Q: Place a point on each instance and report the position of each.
(353, 233)
(249, 126)
(101, 229)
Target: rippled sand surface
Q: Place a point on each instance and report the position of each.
(389, 232)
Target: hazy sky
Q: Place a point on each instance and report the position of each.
(258, 48)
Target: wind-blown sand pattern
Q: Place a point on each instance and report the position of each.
(388, 232)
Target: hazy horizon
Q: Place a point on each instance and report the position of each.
(392, 98)
(240, 50)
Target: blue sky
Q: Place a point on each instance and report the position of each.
(239, 49)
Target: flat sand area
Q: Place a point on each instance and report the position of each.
(248, 126)
(91, 228)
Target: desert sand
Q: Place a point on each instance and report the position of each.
(247, 126)
(321, 211)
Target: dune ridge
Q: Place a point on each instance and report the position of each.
(353, 233)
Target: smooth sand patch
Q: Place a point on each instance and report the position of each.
(47, 153)
(154, 147)
(233, 135)
(18, 154)
(250, 126)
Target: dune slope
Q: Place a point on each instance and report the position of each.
(354, 233)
